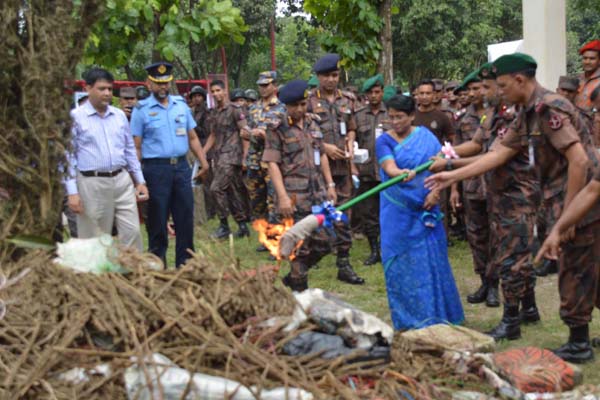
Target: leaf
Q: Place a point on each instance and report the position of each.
(31, 242)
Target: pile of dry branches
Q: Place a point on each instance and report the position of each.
(204, 317)
(41, 42)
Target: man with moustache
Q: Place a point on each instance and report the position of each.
(590, 78)
(335, 111)
(163, 130)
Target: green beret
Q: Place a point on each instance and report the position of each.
(389, 92)
(472, 77)
(510, 63)
(486, 71)
(313, 82)
(372, 81)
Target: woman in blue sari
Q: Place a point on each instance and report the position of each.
(420, 285)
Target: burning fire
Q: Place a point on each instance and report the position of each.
(270, 234)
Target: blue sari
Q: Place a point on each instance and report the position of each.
(420, 285)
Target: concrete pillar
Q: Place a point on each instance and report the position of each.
(545, 38)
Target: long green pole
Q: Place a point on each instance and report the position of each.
(380, 187)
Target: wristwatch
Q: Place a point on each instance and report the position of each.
(449, 165)
(331, 185)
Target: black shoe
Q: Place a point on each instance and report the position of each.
(261, 249)
(529, 315)
(509, 326)
(480, 295)
(375, 256)
(547, 268)
(222, 232)
(575, 352)
(243, 231)
(492, 299)
(296, 284)
(346, 272)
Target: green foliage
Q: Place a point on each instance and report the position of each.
(350, 28)
(583, 25)
(166, 24)
(449, 39)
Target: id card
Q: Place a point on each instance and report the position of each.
(180, 132)
(317, 154)
(343, 128)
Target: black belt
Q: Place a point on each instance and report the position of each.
(171, 161)
(102, 174)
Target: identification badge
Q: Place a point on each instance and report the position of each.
(343, 128)
(531, 154)
(180, 131)
(317, 157)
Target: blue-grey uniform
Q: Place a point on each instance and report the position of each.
(164, 133)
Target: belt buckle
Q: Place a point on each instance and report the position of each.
(173, 160)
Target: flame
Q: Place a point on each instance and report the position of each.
(270, 234)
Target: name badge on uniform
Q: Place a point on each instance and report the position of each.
(180, 131)
(343, 128)
(317, 157)
(531, 153)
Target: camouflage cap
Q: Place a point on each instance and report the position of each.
(266, 77)
(438, 84)
(127, 92)
(251, 94)
(237, 94)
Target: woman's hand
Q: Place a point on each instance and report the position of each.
(411, 174)
(431, 200)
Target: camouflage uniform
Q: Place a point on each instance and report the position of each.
(367, 212)
(512, 199)
(331, 118)
(227, 187)
(258, 183)
(474, 198)
(548, 125)
(203, 198)
(295, 150)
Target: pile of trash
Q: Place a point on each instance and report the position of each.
(211, 331)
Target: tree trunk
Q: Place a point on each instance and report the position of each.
(385, 64)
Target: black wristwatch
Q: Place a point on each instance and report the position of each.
(449, 165)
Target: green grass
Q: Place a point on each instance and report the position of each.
(371, 297)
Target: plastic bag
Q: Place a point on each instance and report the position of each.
(174, 381)
(89, 255)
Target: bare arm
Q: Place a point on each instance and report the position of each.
(487, 162)
(579, 206)
(285, 206)
(198, 151)
(331, 192)
(210, 142)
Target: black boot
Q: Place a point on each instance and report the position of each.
(375, 256)
(492, 299)
(547, 268)
(296, 284)
(261, 248)
(578, 349)
(480, 294)
(243, 230)
(346, 272)
(529, 313)
(222, 231)
(509, 326)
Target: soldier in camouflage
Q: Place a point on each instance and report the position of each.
(335, 115)
(545, 139)
(474, 197)
(227, 186)
(299, 170)
(371, 121)
(266, 111)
